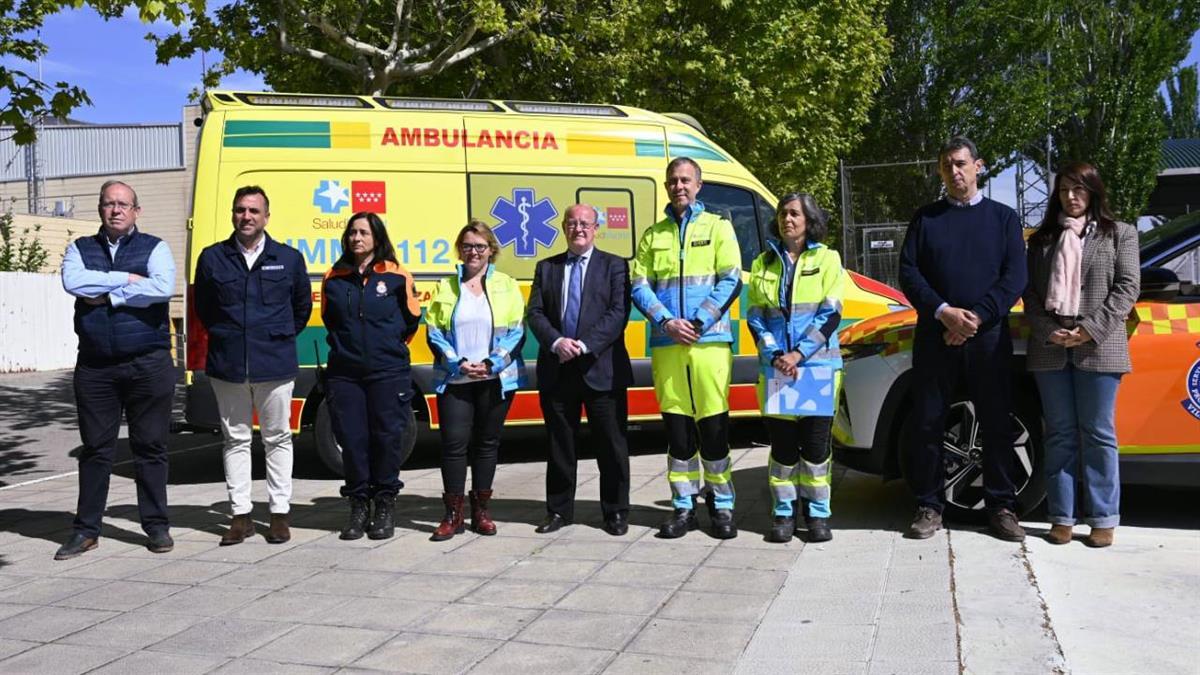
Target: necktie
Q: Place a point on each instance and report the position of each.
(574, 297)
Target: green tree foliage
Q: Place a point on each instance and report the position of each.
(20, 254)
(1119, 52)
(1010, 72)
(1183, 118)
(24, 98)
(784, 85)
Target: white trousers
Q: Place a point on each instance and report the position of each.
(236, 403)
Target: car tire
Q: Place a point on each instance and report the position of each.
(331, 453)
(963, 486)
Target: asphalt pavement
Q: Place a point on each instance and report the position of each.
(577, 600)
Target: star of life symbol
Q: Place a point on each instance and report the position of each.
(524, 222)
(330, 196)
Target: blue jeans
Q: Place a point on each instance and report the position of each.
(1079, 408)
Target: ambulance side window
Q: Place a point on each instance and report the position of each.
(737, 206)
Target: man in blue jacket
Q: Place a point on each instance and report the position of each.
(253, 296)
(122, 280)
(962, 266)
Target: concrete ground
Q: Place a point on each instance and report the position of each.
(574, 601)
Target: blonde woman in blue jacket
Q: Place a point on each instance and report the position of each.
(795, 300)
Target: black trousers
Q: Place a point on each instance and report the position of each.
(607, 417)
(984, 361)
(140, 389)
(369, 415)
(685, 435)
(806, 437)
(471, 416)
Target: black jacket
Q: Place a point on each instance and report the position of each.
(369, 318)
(603, 314)
(252, 315)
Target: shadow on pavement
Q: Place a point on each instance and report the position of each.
(25, 408)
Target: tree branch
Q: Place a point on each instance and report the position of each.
(334, 33)
(327, 59)
(394, 43)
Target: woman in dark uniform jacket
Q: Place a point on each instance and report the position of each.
(1084, 278)
(370, 311)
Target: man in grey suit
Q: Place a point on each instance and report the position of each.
(578, 308)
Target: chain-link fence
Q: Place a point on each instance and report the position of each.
(878, 200)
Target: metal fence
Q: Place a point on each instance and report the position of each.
(878, 200)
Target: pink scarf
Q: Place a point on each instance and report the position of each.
(1066, 270)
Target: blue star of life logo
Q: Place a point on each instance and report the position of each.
(331, 197)
(524, 222)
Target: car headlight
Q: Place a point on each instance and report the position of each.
(861, 350)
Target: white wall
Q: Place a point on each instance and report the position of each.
(36, 329)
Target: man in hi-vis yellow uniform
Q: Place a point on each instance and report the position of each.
(686, 274)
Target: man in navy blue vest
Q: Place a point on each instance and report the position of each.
(963, 266)
(253, 296)
(122, 280)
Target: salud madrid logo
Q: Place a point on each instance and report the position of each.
(331, 196)
(524, 222)
(1192, 402)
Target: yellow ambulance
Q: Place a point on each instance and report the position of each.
(427, 166)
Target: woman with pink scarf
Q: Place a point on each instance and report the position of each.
(1083, 281)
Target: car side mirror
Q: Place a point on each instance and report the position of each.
(1159, 284)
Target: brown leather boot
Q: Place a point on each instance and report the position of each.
(1059, 534)
(481, 520)
(241, 529)
(279, 532)
(452, 522)
(1100, 537)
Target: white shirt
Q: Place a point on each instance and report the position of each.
(472, 330)
(251, 254)
(584, 259)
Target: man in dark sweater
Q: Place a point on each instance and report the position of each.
(962, 266)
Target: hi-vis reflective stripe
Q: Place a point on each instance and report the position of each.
(782, 479)
(684, 475)
(296, 134)
(814, 480)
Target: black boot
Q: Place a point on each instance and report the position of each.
(360, 512)
(781, 529)
(680, 523)
(721, 520)
(818, 529)
(383, 525)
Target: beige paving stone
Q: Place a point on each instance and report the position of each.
(13, 647)
(756, 559)
(117, 567)
(629, 663)
(262, 576)
(524, 594)
(430, 587)
(582, 629)
(690, 605)
(323, 645)
(465, 564)
(120, 596)
(595, 597)
(565, 570)
(586, 549)
(531, 659)
(139, 663)
(344, 583)
(644, 552)
(46, 590)
(59, 659)
(380, 613)
(188, 572)
(244, 666)
(497, 623)
(621, 573)
(133, 630)
(223, 636)
(705, 640)
(428, 654)
(742, 581)
(46, 624)
(290, 607)
(205, 601)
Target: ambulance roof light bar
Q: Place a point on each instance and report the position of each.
(438, 104)
(565, 109)
(304, 100)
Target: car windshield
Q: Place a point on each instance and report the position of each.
(1168, 230)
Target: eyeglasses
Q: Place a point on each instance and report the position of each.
(118, 206)
(473, 248)
(579, 225)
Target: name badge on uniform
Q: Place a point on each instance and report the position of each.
(809, 273)
(702, 242)
(268, 268)
(381, 288)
